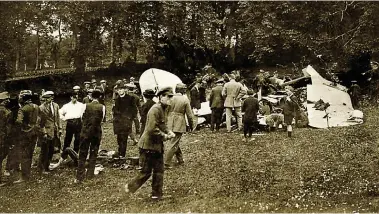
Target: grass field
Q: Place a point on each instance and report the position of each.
(317, 170)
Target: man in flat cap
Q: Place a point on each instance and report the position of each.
(151, 146)
(177, 111)
(115, 89)
(90, 136)
(51, 129)
(125, 110)
(216, 103)
(5, 128)
(93, 83)
(28, 120)
(233, 92)
(87, 86)
(88, 98)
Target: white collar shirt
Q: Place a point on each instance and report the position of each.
(72, 111)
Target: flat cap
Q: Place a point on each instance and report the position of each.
(103, 81)
(220, 80)
(167, 90)
(48, 94)
(128, 85)
(87, 82)
(76, 87)
(93, 81)
(181, 86)
(23, 92)
(149, 93)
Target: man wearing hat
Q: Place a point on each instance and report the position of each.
(87, 86)
(51, 129)
(125, 110)
(77, 90)
(103, 86)
(93, 83)
(90, 136)
(88, 98)
(132, 81)
(250, 120)
(233, 92)
(72, 113)
(5, 127)
(151, 146)
(149, 95)
(28, 120)
(177, 111)
(131, 90)
(216, 103)
(115, 89)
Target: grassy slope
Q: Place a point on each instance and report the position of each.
(317, 171)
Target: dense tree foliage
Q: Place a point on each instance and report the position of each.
(188, 35)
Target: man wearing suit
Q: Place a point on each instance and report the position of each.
(124, 112)
(178, 109)
(51, 129)
(216, 102)
(28, 119)
(233, 92)
(90, 136)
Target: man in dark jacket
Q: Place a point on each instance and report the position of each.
(151, 146)
(195, 96)
(124, 111)
(5, 119)
(216, 102)
(149, 95)
(250, 107)
(90, 136)
(28, 119)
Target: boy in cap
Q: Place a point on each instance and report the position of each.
(51, 129)
(151, 146)
(93, 83)
(216, 102)
(90, 136)
(5, 127)
(250, 107)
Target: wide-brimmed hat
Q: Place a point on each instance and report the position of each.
(167, 90)
(149, 93)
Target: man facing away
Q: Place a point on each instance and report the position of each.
(178, 109)
(90, 136)
(151, 146)
(216, 102)
(250, 107)
(233, 92)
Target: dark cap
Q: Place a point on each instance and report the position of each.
(96, 94)
(250, 92)
(149, 93)
(168, 90)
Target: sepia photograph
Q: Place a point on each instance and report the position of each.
(189, 106)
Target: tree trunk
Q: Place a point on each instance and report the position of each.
(37, 51)
(17, 65)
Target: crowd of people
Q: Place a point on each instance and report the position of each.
(24, 123)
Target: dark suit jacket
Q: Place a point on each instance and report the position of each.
(91, 120)
(144, 110)
(195, 98)
(124, 111)
(250, 107)
(216, 99)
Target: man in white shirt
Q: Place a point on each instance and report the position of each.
(72, 113)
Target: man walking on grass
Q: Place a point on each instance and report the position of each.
(177, 111)
(151, 146)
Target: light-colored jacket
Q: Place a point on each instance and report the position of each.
(50, 122)
(179, 108)
(233, 92)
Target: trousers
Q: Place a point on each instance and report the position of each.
(89, 144)
(152, 165)
(122, 141)
(229, 114)
(47, 152)
(216, 118)
(73, 129)
(174, 149)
